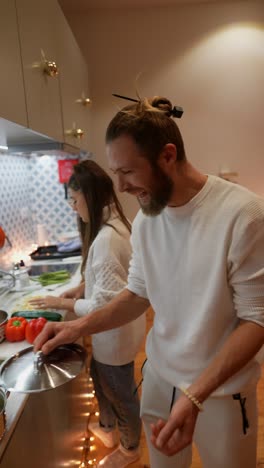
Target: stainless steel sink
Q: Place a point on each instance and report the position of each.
(36, 270)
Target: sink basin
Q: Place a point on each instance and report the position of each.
(36, 270)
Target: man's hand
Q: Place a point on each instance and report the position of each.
(55, 334)
(174, 435)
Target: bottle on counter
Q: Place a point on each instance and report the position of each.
(20, 272)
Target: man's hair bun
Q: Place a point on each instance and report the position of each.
(162, 104)
(165, 105)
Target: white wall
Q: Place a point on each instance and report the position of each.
(208, 58)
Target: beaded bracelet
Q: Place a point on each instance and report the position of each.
(192, 398)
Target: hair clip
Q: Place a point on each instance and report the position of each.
(176, 111)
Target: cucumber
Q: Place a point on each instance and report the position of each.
(31, 314)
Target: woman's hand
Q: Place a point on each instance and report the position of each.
(48, 302)
(52, 302)
(175, 434)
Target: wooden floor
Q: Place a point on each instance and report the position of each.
(101, 451)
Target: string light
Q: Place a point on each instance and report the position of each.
(87, 446)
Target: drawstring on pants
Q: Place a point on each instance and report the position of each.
(173, 398)
(242, 401)
(138, 386)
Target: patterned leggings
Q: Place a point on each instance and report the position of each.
(118, 402)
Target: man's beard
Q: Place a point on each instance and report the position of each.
(159, 195)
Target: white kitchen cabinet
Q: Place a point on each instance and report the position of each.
(12, 96)
(74, 87)
(37, 26)
(35, 40)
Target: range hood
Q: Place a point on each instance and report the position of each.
(21, 140)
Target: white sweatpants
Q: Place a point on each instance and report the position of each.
(219, 433)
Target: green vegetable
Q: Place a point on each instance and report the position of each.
(32, 314)
(45, 279)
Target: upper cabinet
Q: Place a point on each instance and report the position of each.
(44, 78)
(74, 87)
(12, 96)
(37, 26)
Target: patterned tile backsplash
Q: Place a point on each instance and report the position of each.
(30, 194)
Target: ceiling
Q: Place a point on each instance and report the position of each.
(85, 5)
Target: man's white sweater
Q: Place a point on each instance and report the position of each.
(201, 266)
(105, 276)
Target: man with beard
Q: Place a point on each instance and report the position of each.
(198, 260)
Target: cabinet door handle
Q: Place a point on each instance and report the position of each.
(75, 132)
(83, 100)
(50, 68)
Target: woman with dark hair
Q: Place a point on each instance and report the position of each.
(106, 252)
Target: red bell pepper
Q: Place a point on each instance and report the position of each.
(15, 329)
(33, 328)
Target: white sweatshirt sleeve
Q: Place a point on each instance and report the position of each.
(106, 271)
(136, 281)
(246, 263)
(109, 281)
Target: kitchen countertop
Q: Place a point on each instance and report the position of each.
(10, 301)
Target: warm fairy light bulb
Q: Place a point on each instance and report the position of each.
(92, 439)
(18, 255)
(89, 403)
(86, 395)
(97, 413)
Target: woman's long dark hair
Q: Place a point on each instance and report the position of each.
(98, 190)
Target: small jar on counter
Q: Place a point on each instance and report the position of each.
(20, 272)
